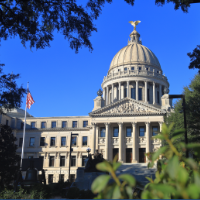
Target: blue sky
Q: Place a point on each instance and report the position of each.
(63, 83)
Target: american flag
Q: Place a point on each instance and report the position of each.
(29, 100)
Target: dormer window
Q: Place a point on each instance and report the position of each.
(125, 69)
(132, 68)
(158, 72)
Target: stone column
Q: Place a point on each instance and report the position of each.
(136, 92)
(97, 137)
(134, 150)
(119, 90)
(107, 95)
(107, 141)
(154, 93)
(112, 93)
(94, 138)
(148, 147)
(128, 89)
(145, 91)
(120, 142)
(104, 94)
(160, 93)
(161, 123)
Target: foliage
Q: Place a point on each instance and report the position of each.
(192, 101)
(121, 188)
(73, 193)
(86, 194)
(35, 21)
(177, 177)
(10, 93)
(195, 58)
(8, 157)
(24, 194)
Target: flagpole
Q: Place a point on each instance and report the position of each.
(24, 128)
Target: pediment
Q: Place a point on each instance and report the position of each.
(127, 107)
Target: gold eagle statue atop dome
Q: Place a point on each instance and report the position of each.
(134, 24)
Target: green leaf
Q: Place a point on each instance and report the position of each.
(129, 191)
(159, 136)
(196, 178)
(164, 188)
(116, 165)
(173, 167)
(182, 176)
(116, 192)
(100, 183)
(150, 179)
(191, 163)
(193, 191)
(146, 195)
(193, 145)
(128, 178)
(159, 152)
(104, 166)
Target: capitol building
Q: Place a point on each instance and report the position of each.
(128, 111)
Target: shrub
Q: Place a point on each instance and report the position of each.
(86, 194)
(73, 193)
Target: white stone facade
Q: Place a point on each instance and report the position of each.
(123, 120)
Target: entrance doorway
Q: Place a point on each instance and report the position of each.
(116, 152)
(128, 155)
(142, 157)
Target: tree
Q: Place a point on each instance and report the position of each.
(35, 21)
(192, 98)
(9, 159)
(195, 58)
(10, 94)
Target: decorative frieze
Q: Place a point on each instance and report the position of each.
(115, 141)
(142, 140)
(129, 140)
(102, 140)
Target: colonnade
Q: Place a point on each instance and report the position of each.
(121, 143)
(119, 84)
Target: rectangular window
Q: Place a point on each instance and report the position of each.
(53, 141)
(61, 177)
(72, 178)
(50, 178)
(148, 95)
(125, 92)
(147, 69)
(128, 131)
(7, 122)
(84, 141)
(42, 141)
(73, 161)
(20, 142)
(85, 123)
(141, 131)
(51, 161)
(158, 98)
(115, 132)
(133, 93)
(64, 124)
(42, 158)
(63, 141)
(102, 132)
(74, 141)
(125, 69)
(83, 160)
(132, 68)
(140, 94)
(62, 161)
(154, 130)
(43, 125)
(53, 124)
(32, 124)
(74, 124)
(32, 142)
(139, 68)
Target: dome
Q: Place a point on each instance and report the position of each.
(135, 53)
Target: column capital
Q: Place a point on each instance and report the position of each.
(147, 123)
(160, 123)
(94, 123)
(154, 82)
(120, 123)
(107, 123)
(134, 123)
